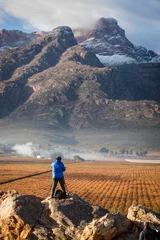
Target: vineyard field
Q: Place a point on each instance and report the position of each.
(112, 185)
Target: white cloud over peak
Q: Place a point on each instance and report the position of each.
(138, 18)
(46, 15)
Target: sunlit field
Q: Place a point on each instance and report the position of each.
(112, 185)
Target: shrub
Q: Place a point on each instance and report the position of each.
(103, 150)
(78, 158)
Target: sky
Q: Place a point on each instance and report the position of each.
(139, 18)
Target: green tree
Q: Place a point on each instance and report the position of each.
(103, 150)
(122, 151)
(131, 152)
(78, 158)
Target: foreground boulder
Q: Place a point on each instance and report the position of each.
(107, 227)
(20, 217)
(29, 217)
(139, 214)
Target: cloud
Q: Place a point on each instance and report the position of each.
(2, 16)
(133, 16)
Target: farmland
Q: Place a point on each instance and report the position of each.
(113, 185)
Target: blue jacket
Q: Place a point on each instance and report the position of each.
(57, 169)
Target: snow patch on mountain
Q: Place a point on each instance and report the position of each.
(156, 59)
(115, 60)
(5, 48)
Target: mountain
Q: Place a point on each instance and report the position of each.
(53, 80)
(107, 39)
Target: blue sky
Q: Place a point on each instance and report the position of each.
(10, 22)
(139, 18)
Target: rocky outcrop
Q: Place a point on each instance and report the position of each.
(28, 217)
(141, 214)
(108, 227)
(19, 216)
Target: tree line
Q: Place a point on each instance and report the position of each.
(123, 152)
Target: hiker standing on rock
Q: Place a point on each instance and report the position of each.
(148, 233)
(57, 174)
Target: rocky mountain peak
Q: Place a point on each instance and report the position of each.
(64, 33)
(107, 38)
(107, 26)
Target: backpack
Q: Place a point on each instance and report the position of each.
(59, 194)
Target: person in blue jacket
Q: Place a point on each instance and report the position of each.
(57, 174)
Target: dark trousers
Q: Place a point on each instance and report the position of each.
(54, 185)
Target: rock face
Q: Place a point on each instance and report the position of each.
(142, 214)
(28, 217)
(107, 38)
(19, 215)
(108, 227)
(78, 95)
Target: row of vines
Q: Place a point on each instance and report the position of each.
(115, 186)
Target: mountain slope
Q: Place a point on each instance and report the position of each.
(17, 65)
(77, 94)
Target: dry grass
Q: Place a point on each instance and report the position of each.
(113, 185)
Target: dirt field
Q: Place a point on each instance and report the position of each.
(113, 185)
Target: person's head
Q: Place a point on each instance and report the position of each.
(146, 225)
(59, 158)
